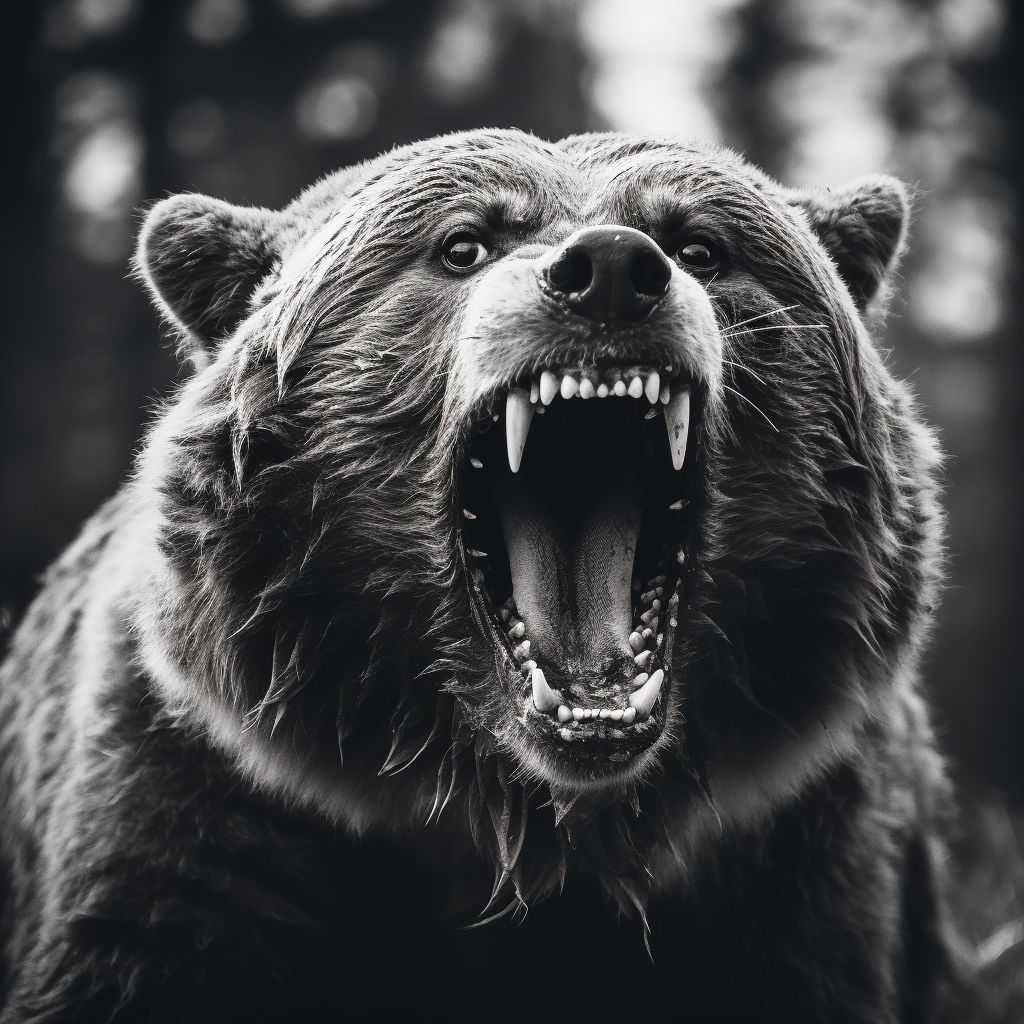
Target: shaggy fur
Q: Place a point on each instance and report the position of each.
(258, 758)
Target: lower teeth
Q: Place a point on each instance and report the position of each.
(646, 684)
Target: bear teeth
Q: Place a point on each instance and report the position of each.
(520, 403)
(518, 413)
(544, 698)
(626, 716)
(644, 698)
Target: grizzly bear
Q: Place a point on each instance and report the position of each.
(515, 616)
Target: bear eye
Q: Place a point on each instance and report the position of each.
(463, 251)
(701, 256)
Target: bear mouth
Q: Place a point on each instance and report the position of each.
(573, 505)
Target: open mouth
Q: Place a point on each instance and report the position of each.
(573, 508)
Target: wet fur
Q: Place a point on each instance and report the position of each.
(255, 758)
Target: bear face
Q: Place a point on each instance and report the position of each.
(518, 472)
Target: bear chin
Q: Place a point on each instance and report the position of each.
(554, 496)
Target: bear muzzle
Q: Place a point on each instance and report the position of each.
(574, 500)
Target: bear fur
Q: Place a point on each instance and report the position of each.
(263, 754)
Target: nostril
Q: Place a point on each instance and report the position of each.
(650, 273)
(571, 272)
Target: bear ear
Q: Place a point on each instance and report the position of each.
(863, 225)
(202, 259)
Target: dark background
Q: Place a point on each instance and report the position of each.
(115, 103)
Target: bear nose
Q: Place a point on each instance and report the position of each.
(609, 273)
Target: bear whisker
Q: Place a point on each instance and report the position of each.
(760, 316)
(753, 405)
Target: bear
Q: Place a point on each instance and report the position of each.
(527, 584)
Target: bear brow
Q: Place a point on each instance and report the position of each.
(513, 212)
(663, 210)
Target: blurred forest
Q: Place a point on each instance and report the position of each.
(115, 103)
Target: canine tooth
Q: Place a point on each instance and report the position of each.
(473, 553)
(652, 387)
(619, 388)
(534, 392)
(548, 387)
(518, 413)
(602, 390)
(650, 414)
(605, 713)
(616, 715)
(543, 696)
(665, 394)
(677, 421)
(577, 714)
(522, 652)
(518, 630)
(636, 641)
(628, 715)
(642, 658)
(587, 389)
(636, 388)
(569, 386)
(564, 714)
(644, 698)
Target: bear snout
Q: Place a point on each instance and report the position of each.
(608, 273)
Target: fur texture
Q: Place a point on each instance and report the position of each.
(259, 755)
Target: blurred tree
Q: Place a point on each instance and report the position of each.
(823, 90)
(123, 101)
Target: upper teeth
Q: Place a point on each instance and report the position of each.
(521, 404)
(518, 413)
(677, 420)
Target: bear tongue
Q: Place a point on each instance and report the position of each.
(572, 564)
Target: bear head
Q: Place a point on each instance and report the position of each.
(558, 485)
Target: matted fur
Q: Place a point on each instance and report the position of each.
(257, 757)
